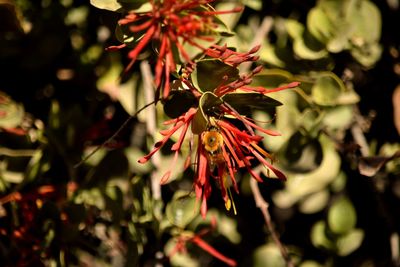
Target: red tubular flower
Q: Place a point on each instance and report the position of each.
(171, 24)
(228, 142)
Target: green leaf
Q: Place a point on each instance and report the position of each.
(309, 48)
(301, 153)
(319, 236)
(301, 184)
(111, 5)
(11, 113)
(319, 25)
(228, 21)
(338, 117)
(309, 263)
(272, 78)
(368, 54)
(342, 216)
(178, 102)
(367, 22)
(211, 73)
(350, 242)
(315, 202)
(268, 256)
(182, 209)
(327, 89)
(208, 105)
(244, 103)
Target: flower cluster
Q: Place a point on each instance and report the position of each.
(226, 139)
(168, 27)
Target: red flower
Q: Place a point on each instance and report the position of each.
(228, 142)
(170, 25)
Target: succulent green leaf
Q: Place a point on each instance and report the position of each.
(319, 25)
(368, 54)
(350, 242)
(319, 236)
(272, 78)
(339, 117)
(211, 73)
(315, 202)
(327, 89)
(228, 21)
(208, 103)
(301, 153)
(11, 113)
(367, 22)
(253, 4)
(244, 103)
(182, 209)
(307, 47)
(268, 255)
(178, 102)
(309, 263)
(294, 28)
(342, 216)
(112, 5)
(302, 184)
(225, 22)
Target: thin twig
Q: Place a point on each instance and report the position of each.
(263, 205)
(114, 135)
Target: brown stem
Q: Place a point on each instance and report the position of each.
(263, 205)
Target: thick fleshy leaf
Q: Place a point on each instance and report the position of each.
(182, 209)
(307, 47)
(315, 202)
(320, 25)
(208, 105)
(244, 103)
(211, 73)
(268, 255)
(272, 78)
(327, 89)
(319, 236)
(367, 22)
(301, 153)
(11, 113)
(112, 5)
(178, 102)
(342, 216)
(350, 242)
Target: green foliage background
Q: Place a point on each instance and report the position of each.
(61, 97)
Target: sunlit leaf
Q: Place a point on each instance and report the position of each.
(272, 78)
(327, 89)
(211, 73)
(319, 236)
(11, 113)
(315, 202)
(350, 242)
(182, 209)
(112, 5)
(342, 216)
(268, 256)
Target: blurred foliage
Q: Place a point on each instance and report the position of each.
(61, 96)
